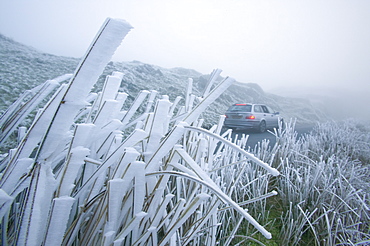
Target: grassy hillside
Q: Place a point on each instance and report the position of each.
(23, 68)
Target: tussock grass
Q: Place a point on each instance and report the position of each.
(92, 170)
(139, 175)
(324, 184)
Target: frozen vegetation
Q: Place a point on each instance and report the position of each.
(93, 170)
(102, 160)
(324, 186)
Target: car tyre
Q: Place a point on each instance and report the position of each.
(262, 126)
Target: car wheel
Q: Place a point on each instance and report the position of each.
(262, 126)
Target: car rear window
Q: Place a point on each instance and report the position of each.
(241, 108)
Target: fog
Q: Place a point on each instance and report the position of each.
(316, 49)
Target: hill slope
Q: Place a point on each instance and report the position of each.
(23, 67)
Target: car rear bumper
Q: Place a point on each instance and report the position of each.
(242, 125)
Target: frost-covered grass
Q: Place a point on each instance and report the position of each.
(167, 182)
(91, 170)
(324, 184)
(96, 169)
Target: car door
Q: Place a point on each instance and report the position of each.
(258, 112)
(271, 118)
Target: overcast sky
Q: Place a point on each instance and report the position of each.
(270, 42)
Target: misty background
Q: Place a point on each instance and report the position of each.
(312, 49)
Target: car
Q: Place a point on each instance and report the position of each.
(251, 116)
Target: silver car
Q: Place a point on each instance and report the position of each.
(251, 116)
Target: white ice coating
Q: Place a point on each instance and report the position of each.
(166, 145)
(139, 187)
(250, 156)
(130, 155)
(214, 75)
(135, 137)
(96, 58)
(39, 126)
(115, 196)
(21, 133)
(71, 168)
(5, 202)
(157, 216)
(153, 94)
(157, 127)
(121, 98)
(204, 176)
(115, 142)
(38, 95)
(60, 211)
(110, 89)
(11, 178)
(134, 223)
(108, 109)
(38, 205)
(174, 105)
(47, 88)
(108, 238)
(102, 132)
(188, 94)
(135, 105)
(211, 97)
(92, 65)
(223, 197)
(82, 135)
(188, 211)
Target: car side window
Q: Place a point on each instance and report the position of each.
(265, 109)
(257, 109)
(270, 109)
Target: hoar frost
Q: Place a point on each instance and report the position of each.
(90, 172)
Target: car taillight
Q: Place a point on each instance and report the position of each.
(226, 116)
(250, 117)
